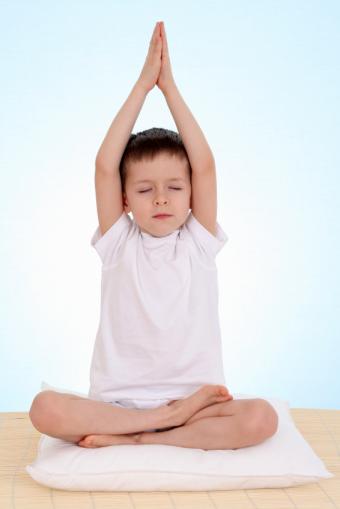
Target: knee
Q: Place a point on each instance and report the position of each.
(263, 420)
(44, 410)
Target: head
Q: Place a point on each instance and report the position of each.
(156, 178)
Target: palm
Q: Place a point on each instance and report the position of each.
(165, 74)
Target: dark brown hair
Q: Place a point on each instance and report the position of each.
(148, 144)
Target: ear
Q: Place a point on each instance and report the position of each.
(126, 205)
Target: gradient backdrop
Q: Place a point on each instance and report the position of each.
(262, 78)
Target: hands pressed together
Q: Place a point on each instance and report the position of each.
(157, 68)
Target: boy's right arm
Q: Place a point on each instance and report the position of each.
(107, 178)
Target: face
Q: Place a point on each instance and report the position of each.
(166, 190)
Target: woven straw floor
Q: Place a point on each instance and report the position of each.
(18, 446)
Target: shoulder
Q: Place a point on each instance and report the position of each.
(205, 242)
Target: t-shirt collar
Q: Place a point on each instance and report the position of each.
(153, 241)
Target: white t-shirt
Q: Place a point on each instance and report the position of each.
(159, 334)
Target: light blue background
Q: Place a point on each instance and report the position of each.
(262, 79)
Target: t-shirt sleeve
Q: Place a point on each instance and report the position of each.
(108, 245)
(206, 242)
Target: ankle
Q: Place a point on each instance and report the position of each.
(174, 416)
(137, 437)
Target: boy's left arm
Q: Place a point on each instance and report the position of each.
(203, 177)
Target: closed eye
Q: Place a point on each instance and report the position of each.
(175, 188)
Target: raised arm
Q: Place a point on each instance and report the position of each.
(113, 146)
(108, 184)
(203, 177)
(107, 177)
(198, 150)
(111, 150)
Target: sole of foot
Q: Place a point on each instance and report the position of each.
(205, 396)
(94, 441)
(182, 410)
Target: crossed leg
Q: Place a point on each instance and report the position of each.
(226, 425)
(229, 425)
(71, 417)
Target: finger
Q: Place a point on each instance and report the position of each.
(154, 33)
(165, 44)
(157, 31)
(157, 42)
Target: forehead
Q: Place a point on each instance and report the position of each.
(162, 167)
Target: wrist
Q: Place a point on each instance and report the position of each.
(169, 88)
(141, 88)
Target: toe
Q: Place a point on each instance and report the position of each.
(223, 391)
(88, 441)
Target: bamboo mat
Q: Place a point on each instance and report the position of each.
(18, 447)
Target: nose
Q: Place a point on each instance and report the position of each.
(160, 200)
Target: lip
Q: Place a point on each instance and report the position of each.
(162, 216)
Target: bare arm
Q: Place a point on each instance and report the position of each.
(199, 153)
(203, 178)
(111, 150)
(107, 177)
(115, 141)
(198, 150)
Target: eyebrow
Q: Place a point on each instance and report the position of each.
(142, 181)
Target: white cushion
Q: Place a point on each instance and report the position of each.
(283, 460)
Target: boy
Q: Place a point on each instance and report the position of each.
(158, 339)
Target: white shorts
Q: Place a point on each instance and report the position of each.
(142, 404)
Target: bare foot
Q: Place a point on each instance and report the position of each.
(205, 396)
(183, 409)
(92, 441)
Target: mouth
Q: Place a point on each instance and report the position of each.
(162, 216)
